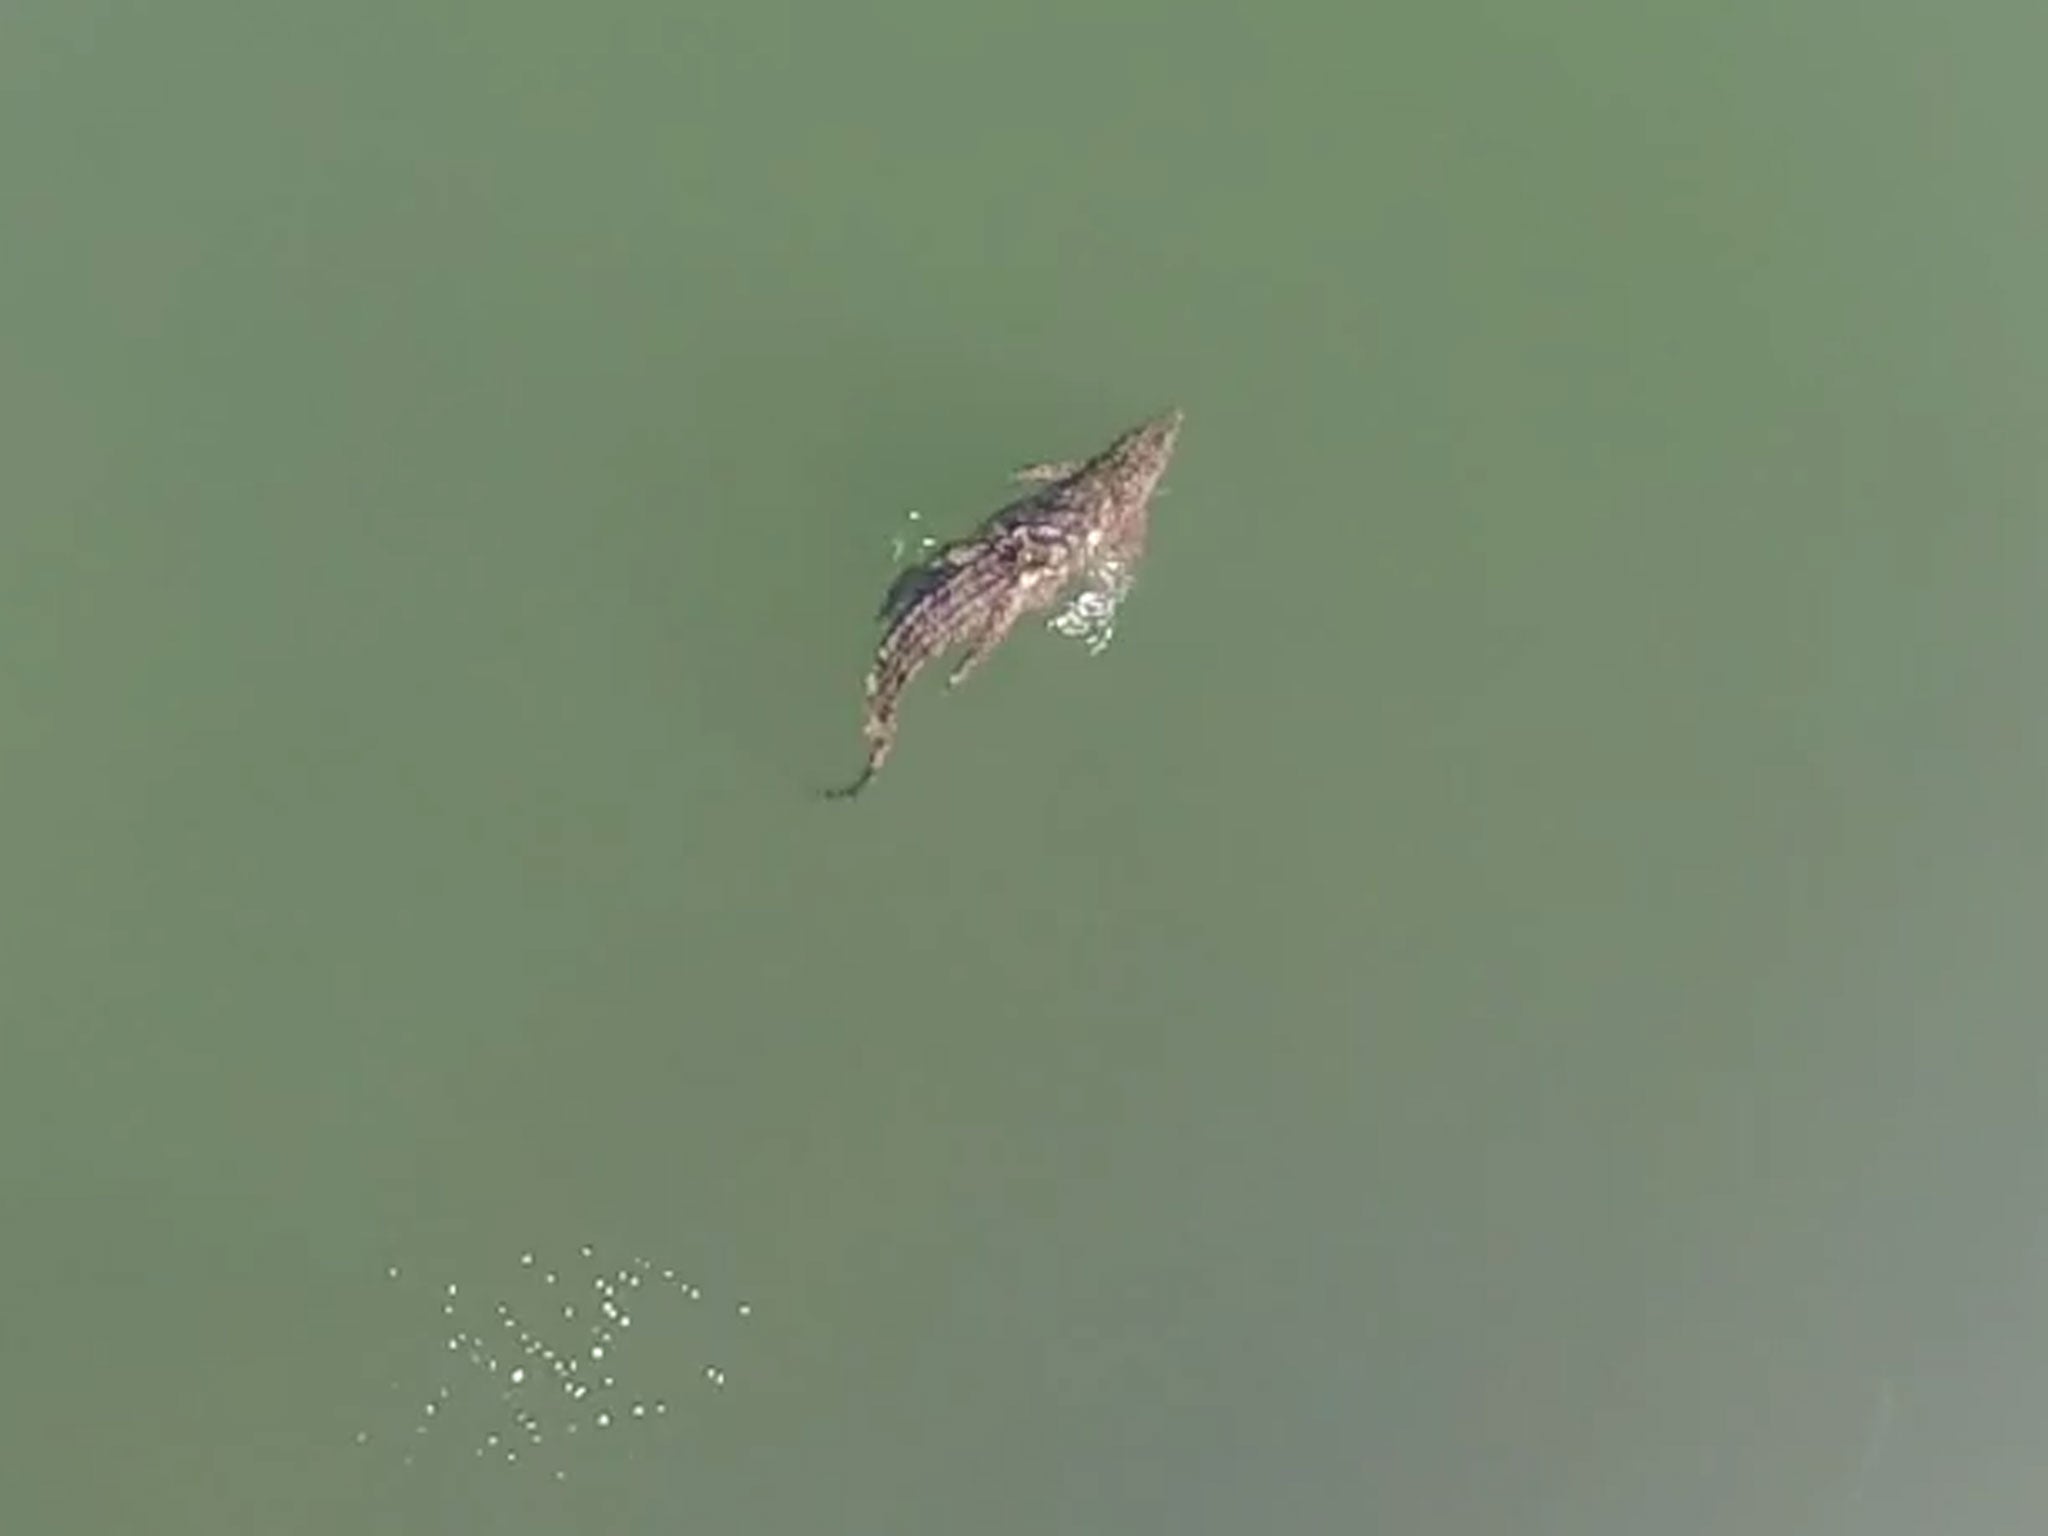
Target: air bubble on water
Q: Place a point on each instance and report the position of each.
(910, 540)
(524, 1406)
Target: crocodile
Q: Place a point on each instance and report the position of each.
(1080, 519)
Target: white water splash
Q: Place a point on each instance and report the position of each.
(1090, 614)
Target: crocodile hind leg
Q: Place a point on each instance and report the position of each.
(984, 640)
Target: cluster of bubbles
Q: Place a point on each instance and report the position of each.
(1090, 614)
(540, 1361)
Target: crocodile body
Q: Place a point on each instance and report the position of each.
(1081, 520)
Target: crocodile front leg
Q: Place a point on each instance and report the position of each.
(1035, 586)
(984, 640)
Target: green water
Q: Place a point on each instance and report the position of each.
(1509, 1000)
